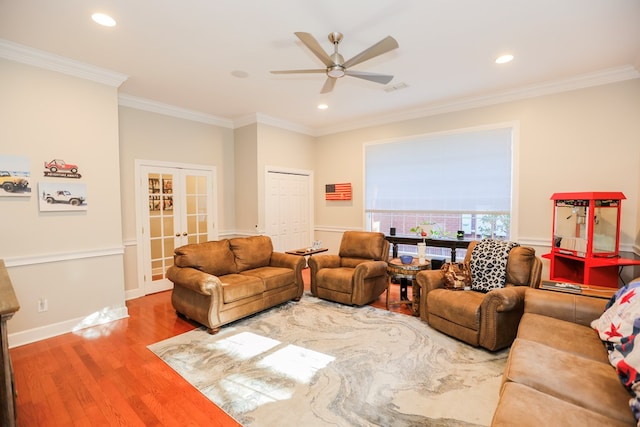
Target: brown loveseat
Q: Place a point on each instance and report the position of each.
(558, 373)
(215, 283)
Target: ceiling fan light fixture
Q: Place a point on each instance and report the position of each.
(335, 71)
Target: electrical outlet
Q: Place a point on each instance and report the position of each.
(43, 305)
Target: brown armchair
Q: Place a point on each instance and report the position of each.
(488, 320)
(357, 275)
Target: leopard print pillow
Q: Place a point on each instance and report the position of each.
(489, 264)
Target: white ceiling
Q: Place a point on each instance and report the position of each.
(183, 53)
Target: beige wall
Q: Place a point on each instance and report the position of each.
(581, 140)
(258, 146)
(73, 259)
(156, 137)
(246, 179)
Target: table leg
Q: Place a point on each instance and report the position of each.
(415, 304)
(403, 289)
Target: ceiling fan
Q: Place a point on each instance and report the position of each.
(336, 65)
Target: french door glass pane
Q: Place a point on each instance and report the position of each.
(161, 223)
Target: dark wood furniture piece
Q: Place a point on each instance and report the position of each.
(8, 306)
(306, 251)
(452, 244)
(592, 291)
(406, 273)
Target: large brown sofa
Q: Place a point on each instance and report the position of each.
(217, 282)
(558, 373)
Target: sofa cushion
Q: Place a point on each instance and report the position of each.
(211, 257)
(337, 279)
(577, 380)
(251, 252)
(461, 307)
(273, 277)
(524, 406)
(567, 336)
(239, 286)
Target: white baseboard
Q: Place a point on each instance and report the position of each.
(133, 294)
(78, 325)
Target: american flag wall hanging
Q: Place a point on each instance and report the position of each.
(338, 191)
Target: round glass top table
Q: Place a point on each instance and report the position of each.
(406, 274)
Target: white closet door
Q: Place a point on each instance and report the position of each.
(179, 206)
(288, 210)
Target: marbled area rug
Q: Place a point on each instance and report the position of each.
(319, 363)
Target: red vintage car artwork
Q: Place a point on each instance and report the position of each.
(57, 165)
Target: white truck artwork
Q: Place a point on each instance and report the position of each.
(63, 196)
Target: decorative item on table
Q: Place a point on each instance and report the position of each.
(424, 229)
(422, 251)
(316, 244)
(392, 231)
(460, 234)
(406, 259)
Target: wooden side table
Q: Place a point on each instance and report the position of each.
(407, 274)
(305, 252)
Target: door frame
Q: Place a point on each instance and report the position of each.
(278, 169)
(142, 203)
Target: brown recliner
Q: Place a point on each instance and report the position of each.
(357, 275)
(488, 320)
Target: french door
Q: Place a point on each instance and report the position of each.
(177, 208)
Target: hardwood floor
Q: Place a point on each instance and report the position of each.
(105, 375)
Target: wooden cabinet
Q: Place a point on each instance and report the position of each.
(586, 238)
(8, 306)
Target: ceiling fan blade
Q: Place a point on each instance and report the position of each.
(373, 77)
(328, 85)
(313, 45)
(319, 70)
(383, 46)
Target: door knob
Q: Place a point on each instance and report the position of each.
(184, 234)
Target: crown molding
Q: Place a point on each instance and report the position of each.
(37, 58)
(171, 110)
(264, 119)
(611, 75)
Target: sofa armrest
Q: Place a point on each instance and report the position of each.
(195, 280)
(294, 262)
(500, 314)
(368, 269)
(430, 280)
(317, 263)
(574, 308)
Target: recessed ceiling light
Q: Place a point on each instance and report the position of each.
(103, 19)
(322, 106)
(504, 59)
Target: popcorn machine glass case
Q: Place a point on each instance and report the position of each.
(586, 239)
(587, 224)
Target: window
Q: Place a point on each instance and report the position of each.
(457, 181)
